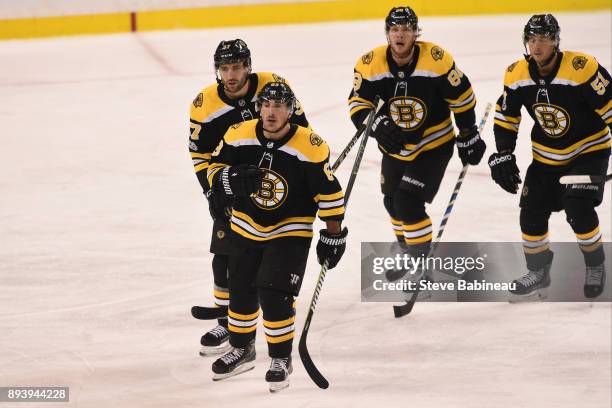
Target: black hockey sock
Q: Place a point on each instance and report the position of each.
(279, 321)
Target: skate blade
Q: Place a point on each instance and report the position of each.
(207, 351)
(278, 386)
(239, 370)
(537, 295)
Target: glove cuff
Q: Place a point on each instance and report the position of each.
(336, 239)
(500, 158)
(225, 183)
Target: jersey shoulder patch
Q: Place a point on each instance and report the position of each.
(241, 131)
(516, 72)
(373, 63)
(433, 58)
(307, 146)
(205, 103)
(577, 67)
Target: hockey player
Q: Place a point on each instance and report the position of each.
(567, 94)
(231, 100)
(278, 175)
(420, 85)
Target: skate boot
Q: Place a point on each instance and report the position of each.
(237, 361)
(594, 281)
(532, 286)
(278, 374)
(215, 342)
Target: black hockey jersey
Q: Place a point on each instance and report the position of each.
(212, 113)
(418, 97)
(297, 182)
(570, 107)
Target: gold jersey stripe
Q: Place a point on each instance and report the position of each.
(465, 107)
(505, 125)
(601, 111)
(200, 167)
(240, 231)
(245, 217)
(330, 212)
(461, 97)
(329, 197)
(562, 162)
(573, 147)
(201, 155)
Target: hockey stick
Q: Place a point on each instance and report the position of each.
(584, 179)
(311, 369)
(406, 308)
(208, 313)
(348, 147)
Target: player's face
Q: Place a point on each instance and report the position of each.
(401, 38)
(234, 76)
(541, 47)
(274, 115)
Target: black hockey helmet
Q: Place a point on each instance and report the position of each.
(542, 24)
(401, 16)
(278, 92)
(232, 51)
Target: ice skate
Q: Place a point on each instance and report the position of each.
(237, 361)
(531, 287)
(278, 374)
(594, 281)
(216, 341)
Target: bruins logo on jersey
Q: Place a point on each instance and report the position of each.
(315, 139)
(278, 78)
(367, 58)
(437, 53)
(199, 100)
(407, 111)
(511, 67)
(579, 63)
(554, 120)
(273, 191)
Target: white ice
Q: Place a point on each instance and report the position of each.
(105, 233)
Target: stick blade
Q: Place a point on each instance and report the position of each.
(208, 313)
(571, 179)
(311, 369)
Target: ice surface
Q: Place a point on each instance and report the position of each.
(105, 233)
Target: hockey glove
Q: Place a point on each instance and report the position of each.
(504, 171)
(240, 181)
(470, 146)
(331, 247)
(218, 205)
(388, 135)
